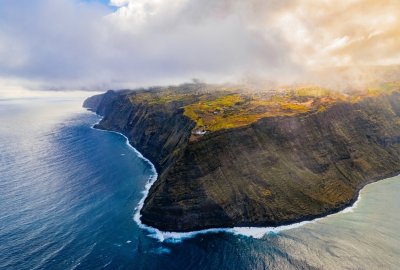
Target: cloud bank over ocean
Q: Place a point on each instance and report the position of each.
(64, 44)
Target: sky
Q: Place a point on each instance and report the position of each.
(100, 44)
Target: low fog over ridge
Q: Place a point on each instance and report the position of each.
(64, 44)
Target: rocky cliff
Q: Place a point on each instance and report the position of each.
(277, 170)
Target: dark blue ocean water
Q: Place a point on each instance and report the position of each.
(68, 195)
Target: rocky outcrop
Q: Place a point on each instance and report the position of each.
(276, 171)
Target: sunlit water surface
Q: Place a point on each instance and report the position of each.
(68, 194)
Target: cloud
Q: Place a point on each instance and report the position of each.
(356, 32)
(76, 44)
(49, 41)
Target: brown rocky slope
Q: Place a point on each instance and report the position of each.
(277, 170)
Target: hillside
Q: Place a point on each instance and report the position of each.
(229, 156)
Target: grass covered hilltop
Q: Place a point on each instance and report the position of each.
(231, 156)
(215, 108)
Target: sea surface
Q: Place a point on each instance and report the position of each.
(68, 195)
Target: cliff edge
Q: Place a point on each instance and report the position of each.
(246, 164)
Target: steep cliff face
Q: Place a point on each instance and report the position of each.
(158, 132)
(275, 171)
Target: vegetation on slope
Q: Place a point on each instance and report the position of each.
(214, 108)
(278, 170)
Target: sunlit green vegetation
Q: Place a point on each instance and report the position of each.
(230, 110)
(230, 107)
(159, 97)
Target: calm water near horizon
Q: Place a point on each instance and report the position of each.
(68, 195)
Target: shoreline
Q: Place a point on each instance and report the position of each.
(254, 232)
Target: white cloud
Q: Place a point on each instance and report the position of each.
(65, 43)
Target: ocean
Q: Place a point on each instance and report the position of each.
(68, 197)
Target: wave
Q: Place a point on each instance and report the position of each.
(177, 237)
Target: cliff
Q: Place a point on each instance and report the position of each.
(272, 171)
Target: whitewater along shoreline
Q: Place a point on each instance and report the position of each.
(314, 165)
(255, 232)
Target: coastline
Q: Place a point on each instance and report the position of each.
(255, 232)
